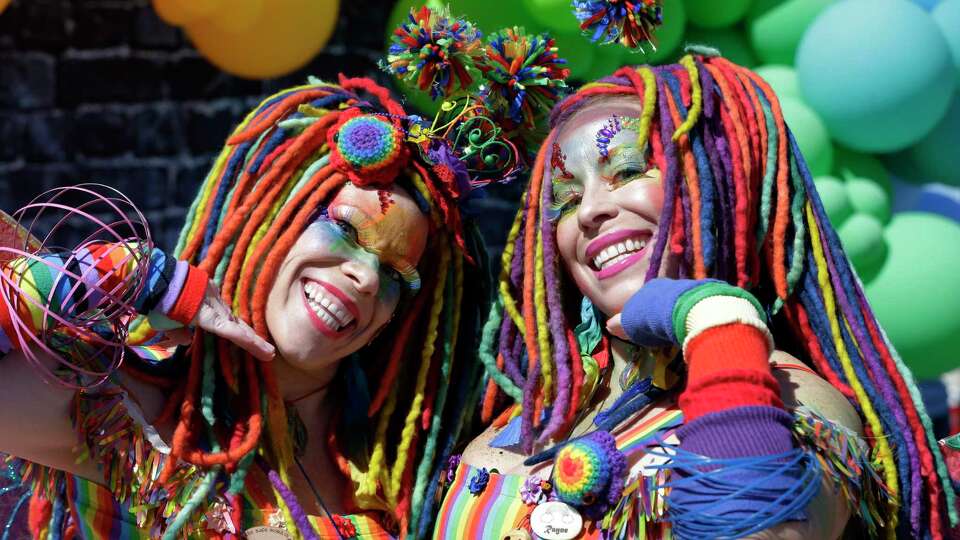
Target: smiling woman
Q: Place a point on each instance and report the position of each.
(669, 242)
(322, 233)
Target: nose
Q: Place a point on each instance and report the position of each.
(365, 278)
(596, 206)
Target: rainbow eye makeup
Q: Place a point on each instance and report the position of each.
(378, 236)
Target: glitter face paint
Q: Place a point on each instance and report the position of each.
(609, 211)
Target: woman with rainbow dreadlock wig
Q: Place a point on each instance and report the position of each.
(669, 249)
(329, 229)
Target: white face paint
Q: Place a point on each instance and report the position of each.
(609, 206)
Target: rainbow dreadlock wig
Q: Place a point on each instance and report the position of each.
(740, 206)
(278, 170)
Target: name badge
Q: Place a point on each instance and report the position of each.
(267, 533)
(556, 520)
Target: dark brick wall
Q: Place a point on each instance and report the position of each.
(104, 91)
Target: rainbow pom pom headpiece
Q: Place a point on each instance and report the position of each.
(368, 148)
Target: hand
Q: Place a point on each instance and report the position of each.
(656, 315)
(215, 317)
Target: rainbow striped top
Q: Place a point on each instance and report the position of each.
(499, 509)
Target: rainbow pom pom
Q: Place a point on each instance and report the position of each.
(589, 473)
(631, 22)
(369, 149)
(434, 51)
(525, 74)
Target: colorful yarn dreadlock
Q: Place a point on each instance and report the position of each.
(281, 166)
(740, 206)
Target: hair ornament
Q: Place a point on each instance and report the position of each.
(434, 51)
(629, 22)
(481, 132)
(368, 148)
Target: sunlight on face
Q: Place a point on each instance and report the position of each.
(607, 198)
(345, 275)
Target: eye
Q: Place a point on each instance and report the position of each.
(348, 229)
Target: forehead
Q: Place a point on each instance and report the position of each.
(578, 135)
(398, 225)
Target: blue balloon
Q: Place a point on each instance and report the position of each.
(926, 4)
(878, 72)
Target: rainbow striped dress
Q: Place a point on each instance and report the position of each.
(499, 508)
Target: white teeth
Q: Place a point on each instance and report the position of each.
(617, 252)
(328, 309)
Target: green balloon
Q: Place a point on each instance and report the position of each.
(776, 26)
(579, 53)
(669, 36)
(862, 239)
(811, 135)
(916, 293)
(731, 43)
(606, 60)
(836, 202)
(493, 15)
(937, 155)
(783, 80)
(713, 14)
(849, 164)
(869, 197)
(947, 16)
(554, 14)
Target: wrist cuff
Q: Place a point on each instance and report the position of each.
(191, 296)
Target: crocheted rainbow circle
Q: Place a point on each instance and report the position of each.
(582, 469)
(370, 146)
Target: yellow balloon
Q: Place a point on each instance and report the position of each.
(182, 12)
(285, 36)
(4, 4)
(241, 15)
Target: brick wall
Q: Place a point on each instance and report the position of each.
(104, 91)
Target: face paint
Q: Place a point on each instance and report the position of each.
(615, 125)
(558, 162)
(382, 230)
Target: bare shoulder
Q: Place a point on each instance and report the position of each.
(798, 387)
(479, 453)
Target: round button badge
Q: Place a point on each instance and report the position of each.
(555, 520)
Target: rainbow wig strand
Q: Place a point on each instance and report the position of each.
(739, 205)
(275, 174)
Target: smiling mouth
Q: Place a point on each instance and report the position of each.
(617, 253)
(329, 314)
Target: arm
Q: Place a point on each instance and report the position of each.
(35, 421)
(737, 444)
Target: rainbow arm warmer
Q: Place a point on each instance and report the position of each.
(172, 288)
(737, 469)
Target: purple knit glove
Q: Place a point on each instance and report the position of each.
(647, 318)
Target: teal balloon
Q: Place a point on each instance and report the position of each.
(947, 16)
(937, 155)
(878, 72)
(811, 135)
(731, 43)
(554, 14)
(849, 164)
(868, 197)
(714, 14)
(783, 79)
(775, 27)
(833, 195)
(863, 242)
(916, 292)
(669, 36)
